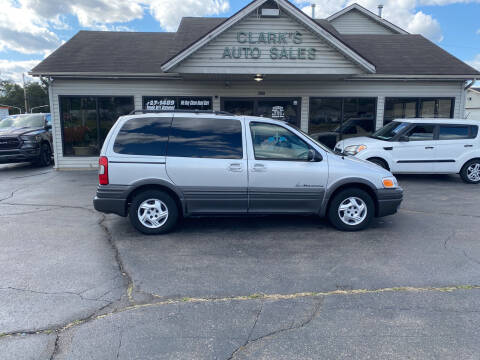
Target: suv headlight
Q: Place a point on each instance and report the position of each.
(354, 149)
(31, 138)
(390, 182)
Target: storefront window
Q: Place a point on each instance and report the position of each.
(284, 109)
(86, 121)
(172, 103)
(401, 108)
(332, 119)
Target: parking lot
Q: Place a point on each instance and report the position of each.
(76, 284)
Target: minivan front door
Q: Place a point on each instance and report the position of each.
(416, 154)
(206, 160)
(281, 179)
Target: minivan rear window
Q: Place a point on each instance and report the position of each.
(206, 138)
(143, 136)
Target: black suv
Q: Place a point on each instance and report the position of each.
(26, 137)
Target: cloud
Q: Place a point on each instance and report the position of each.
(12, 70)
(478, 32)
(23, 31)
(402, 13)
(169, 12)
(475, 63)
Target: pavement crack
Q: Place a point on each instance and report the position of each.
(55, 346)
(305, 323)
(51, 293)
(119, 345)
(118, 259)
(439, 213)
(98, 314)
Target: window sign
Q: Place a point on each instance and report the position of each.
(278, 112)
(170, 103)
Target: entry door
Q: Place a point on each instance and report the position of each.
(206, 159)
(419, 153)
(281, 179)
(453, 142)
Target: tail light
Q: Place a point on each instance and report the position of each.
(103, 170)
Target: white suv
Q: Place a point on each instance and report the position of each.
(157, 167)
(422, 146)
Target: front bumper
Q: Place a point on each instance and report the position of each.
(19, 155)
(111, 199)
(388, 201)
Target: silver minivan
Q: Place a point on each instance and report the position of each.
(157, 167)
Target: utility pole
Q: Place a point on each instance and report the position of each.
(25, 93)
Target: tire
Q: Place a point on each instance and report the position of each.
(380, 162)
(45, 157)
(470, 172)
(157, 202)
(353, 197)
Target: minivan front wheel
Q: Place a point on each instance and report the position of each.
(153, 212)
(351, 210)
(470, 172)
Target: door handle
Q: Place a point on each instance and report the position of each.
(467, 145)
(259, 167)
(388, 148)
(429, 147)
(235, 167)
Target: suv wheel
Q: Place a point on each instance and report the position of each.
(470, 172)
(45, 158)
(351, 210)
(153, 212)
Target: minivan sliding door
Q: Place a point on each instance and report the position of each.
(206, 159)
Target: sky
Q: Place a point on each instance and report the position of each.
(31, 29)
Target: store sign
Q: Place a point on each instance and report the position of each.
(177, 103)
(280, 46)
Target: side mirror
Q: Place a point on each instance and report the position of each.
(314, 156)
(403, 138)
(48, 127)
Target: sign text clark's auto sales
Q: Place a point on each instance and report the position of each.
(284, 45)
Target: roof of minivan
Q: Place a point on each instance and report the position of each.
(439, 121)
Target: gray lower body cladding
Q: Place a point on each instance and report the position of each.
(207, 200)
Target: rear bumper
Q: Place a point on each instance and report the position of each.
(389, 201)
(18, 155)
(111, 199)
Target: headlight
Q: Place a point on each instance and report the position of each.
(31, 138)
(390, 182)
(354, 149)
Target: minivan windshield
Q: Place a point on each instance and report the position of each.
(390, 130)
(20, 121)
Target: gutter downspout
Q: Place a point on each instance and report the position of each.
(470, 85)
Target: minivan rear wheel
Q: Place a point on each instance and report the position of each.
(351, 210)
(470, 172)
(153, 212)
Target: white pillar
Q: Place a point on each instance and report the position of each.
(380, 111)
(305, 113)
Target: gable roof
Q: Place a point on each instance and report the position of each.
(315, 27)
(370, 15)
(407, 55)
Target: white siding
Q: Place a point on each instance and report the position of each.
(354, 22)
(208, 59)
(472, 107)
(303, 89)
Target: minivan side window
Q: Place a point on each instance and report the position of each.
(143, 136)
(206, 138)
(274, 142)
(421, 133)
(454, 132)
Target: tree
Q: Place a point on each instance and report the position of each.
(12, 94)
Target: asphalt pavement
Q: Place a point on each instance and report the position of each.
(76, 284)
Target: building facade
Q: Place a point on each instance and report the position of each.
(472, 105)
(353, 71)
